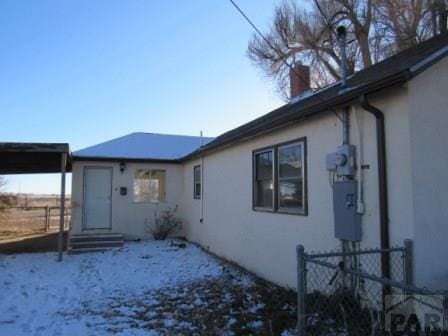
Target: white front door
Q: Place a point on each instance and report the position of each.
(97, 204)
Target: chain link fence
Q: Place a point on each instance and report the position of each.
(346, 293)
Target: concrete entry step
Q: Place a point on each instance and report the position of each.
(96, 237)
(86, 250)
(114, 243)
(84, 243)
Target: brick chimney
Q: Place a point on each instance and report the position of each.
(299, 80)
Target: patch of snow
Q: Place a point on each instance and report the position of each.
(39, 295)
(256, 324)
(256, 307)
(169, 323)
(145, 146)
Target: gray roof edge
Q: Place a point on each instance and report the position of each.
(125, 159)
(426, 63)
(43, 147)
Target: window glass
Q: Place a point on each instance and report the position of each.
(265, 194)
(197, 182)
(149, 186)
(264, 165)
(286, 192)
(290, 194)
(290, 161)
(264, 187)
(290, 177)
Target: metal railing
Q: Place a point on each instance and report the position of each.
(345, 293)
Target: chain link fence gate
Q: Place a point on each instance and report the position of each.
(345, 294)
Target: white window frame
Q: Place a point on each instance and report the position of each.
(195, 195)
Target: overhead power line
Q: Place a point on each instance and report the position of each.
(284, 61)
(322, 13)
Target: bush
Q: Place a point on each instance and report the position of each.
(339, 313)
(164, 224)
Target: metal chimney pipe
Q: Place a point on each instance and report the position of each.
(342, 35)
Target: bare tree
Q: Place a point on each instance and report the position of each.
(375, 28)
(2, 187)
(2, 183)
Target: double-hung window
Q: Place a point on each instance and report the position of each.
(279, 178)
(197, 182)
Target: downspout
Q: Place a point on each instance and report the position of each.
(382, 182)
(201, 220)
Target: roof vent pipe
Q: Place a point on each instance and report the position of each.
(299, 79)
(342, 35)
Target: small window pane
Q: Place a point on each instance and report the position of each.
(264, 165)
(197, 189)
(290, 161)
(290, 177)
(149, 186)
(197, 182)
(290, 194)
(263, 183)
(197, 174)
(265, 198)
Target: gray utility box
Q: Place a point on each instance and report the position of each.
(347, 222)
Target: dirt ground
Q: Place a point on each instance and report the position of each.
(42, 242)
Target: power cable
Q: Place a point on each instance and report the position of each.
(327, 22)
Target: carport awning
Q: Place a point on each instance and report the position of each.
(33, 158)
(37, 158)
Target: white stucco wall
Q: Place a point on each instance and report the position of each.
(429, 143)
(264, 242)
(128, 217)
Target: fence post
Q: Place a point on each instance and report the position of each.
(301, 290)
(408, 261)
(47, 218)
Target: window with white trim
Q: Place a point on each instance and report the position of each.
(279, 178)
(197, 186)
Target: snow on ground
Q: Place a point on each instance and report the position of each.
(145, 288)
(36, 291)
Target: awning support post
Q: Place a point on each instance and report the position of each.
(62, 207)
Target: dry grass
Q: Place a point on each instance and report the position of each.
(224, 306)
(27, 215)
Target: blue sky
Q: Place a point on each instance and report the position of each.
(85, 71)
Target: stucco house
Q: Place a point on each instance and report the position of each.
(253, 193)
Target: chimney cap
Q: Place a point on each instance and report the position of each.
(342, 32)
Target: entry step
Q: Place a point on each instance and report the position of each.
(83, 243)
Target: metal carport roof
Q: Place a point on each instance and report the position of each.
(33, 158)
(38, 158)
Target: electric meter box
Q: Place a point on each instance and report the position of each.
(347, 222)
(342, 161)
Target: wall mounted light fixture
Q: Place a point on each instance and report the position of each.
(122, 167)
